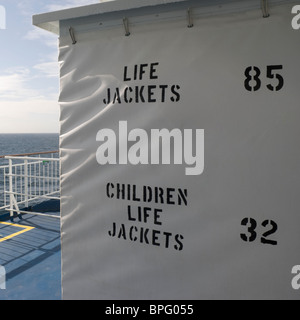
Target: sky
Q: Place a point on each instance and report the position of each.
(29, 70)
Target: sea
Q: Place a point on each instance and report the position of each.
(27, 143)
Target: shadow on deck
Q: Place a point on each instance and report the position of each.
(30, 253)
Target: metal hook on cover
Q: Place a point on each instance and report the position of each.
(126, 27)
(265, 8)
(190, 18)
(72, 35)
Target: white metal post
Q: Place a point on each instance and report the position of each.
(26, 182)
(4, 185)
(10, 188)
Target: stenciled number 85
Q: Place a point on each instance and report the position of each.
(253, 82)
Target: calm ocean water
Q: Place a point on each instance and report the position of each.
(27, 143)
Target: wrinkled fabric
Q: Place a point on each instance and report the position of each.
(150, 231)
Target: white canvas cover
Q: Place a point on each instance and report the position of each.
(217, 219)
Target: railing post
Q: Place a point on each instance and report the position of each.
(11, 200)
(4, 186)
(26, 182)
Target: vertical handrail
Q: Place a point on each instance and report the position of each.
(4, 186)
(12, 200)
(26, 181)
(10, 178)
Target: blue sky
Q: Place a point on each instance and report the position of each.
(29, 73)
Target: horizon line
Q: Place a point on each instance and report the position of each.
(29, 132)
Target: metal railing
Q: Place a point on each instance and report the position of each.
(27, 180)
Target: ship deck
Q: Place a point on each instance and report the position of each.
(30, 252)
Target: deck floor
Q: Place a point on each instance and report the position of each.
(30, 252)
